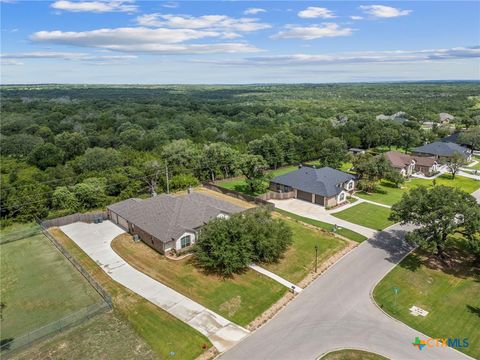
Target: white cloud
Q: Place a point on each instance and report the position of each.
(356, 17)
(170, 5)
(313, 32)
(10, 62)
(366, 57)
(316, 12)
(382, 11)
(211, 22)
(253, 11)
(64, 55)
(99, 6)
(161, 40)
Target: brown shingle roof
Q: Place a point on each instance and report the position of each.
(401, 160)
(166, 217)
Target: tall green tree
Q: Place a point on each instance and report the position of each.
(72, 144)
(471, 137)
(455, 162)
(334, 152)
(253, 168)
(46, 155)
(439, 211)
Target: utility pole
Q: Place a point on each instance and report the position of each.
(316, 257)
(166, 172)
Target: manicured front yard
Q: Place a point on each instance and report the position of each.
(350, 354)
(240, 299)
(390, 194)
(368, 215)
(299, 259)
(39, 285)
(349, 234)
(160, 330)
(451, 295)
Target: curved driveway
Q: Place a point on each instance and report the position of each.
(336, 311)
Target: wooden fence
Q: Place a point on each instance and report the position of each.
(70, 219)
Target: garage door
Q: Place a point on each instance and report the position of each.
(303, 195)
(319, 199)
(122, 222)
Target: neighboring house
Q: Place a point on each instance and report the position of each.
(324, 186)
(399, 117)
(408, 164)
(442, 151)
(445, 118)
(455, 138)
(167, 222)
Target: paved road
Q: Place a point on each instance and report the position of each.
(95, 239)
(336, 311)
(313, 211)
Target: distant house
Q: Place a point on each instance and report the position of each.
(455, 138)
(324, 186)
(445, 118)
(167, 222)
(442, 151)
(408, 164)
(399, 117)
(356, 151)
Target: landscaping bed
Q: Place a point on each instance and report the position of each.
(351, 354)
(448, 289)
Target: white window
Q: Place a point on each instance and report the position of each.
(350, 185)
(341, 197)
(185, 241)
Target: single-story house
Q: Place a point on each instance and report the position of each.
(167, 222)
(324, 186)
(409, 164)
(445, 118)
(455, 138)
(442, 151)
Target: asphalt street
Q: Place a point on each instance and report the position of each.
(337, 311)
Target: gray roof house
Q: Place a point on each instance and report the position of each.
(441, 150)
(324, 186)
(167, 222)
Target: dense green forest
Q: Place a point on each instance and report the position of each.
(74, 148)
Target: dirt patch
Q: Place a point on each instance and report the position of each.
(231, 306)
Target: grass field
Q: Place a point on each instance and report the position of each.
(368, 215)
(451, 294)
(39, 285)
(349, 234)
(350, 354)
(240, 299)
(390, 194)
(241, 186)
(161, 331)
(106, 336)
(299, 259)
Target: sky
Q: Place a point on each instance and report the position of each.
(237, 42)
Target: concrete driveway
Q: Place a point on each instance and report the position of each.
(95, 239)
(336, 311)
(317, 212)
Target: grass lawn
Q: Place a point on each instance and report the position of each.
(349, 234)
(391, 194)
(240, 299)
(299, 259)
(350, 354)
(241, 186)
(105, 336)
(160, 330)
(368, 215)
(477, 166)
(451, 294)
(38, 286)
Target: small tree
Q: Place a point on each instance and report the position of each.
(439, 211)
(471, 137)
(64, 199)
(455, 162)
